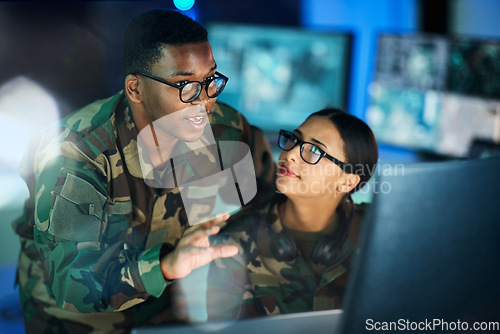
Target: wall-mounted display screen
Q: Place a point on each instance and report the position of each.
(435, 94)
(474, 68)
(414, 61)
(278, 76)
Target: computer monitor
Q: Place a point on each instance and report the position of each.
(464, 120)
(474, 67)
(435, 94)
(429, 121)
(405, 117)
(417, 61)
(278, 76)
(430, 251)
(305, 322)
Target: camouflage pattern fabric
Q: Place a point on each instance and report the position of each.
(92, 230)
(254, 283)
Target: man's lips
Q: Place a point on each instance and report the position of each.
(285, 171)
(197, 121)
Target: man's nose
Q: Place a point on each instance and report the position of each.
(205, 100)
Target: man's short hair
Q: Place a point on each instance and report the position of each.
(148, 33)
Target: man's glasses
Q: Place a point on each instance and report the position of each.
(309, 152)
(190, 90)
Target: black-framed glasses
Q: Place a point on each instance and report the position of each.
(309, 152)
(190, 90)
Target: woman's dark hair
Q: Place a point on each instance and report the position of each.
(147, 34)
(360, 147)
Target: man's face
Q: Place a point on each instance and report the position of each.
(189, 62)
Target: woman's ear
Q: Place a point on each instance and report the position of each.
(132, 88)
(349, 183)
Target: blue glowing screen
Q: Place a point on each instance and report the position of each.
(278, 76)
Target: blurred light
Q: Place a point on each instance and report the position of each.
(25, 109)
(13, 191)
(184, 4)
(16, 136)
(192, 13)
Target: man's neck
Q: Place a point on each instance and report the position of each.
(139, 116)
(161, 145)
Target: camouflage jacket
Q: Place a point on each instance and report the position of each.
(254, 283)
(92, 230)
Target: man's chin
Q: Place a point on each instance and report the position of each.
(190, 136)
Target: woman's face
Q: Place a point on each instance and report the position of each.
(297, 178)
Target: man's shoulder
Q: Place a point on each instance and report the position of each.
(225, 115)
(92, 116)
(91, 128)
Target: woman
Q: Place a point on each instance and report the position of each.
(296, 251)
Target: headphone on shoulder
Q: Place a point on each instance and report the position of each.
(281, 245)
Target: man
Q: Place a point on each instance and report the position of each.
(100, 248)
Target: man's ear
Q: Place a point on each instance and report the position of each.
(132, 88)
(349, 183)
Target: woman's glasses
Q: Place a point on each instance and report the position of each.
(309, 152)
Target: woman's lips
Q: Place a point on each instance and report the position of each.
(285, 171)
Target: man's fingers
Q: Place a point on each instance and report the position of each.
(224, 251)
(206, 225)
(204, 229)
(191, 257)
(198, 236)
(215, 251)
(220, 218)
(206, 255)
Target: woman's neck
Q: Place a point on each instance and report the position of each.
(310, 216)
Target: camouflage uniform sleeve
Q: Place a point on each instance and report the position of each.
(85, 270)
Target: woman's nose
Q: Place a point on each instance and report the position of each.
(293, 154)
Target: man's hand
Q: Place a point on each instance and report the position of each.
(194, 250)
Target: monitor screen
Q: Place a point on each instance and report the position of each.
(463, 120)
(429, 251)
(405, 117)
(278, 76)
(474, 68)
(412, 61)
(435, 94)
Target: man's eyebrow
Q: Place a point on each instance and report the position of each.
(312, 139)
(187, 74)
(181, 74)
